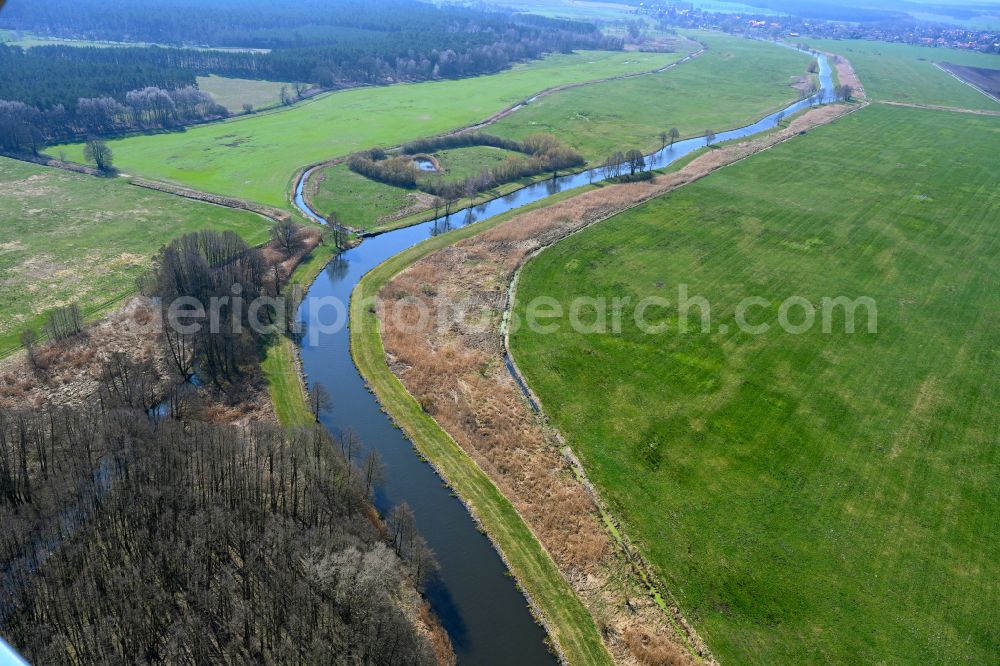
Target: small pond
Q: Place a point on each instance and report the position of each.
(425, 164)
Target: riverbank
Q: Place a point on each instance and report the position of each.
(448, 378)
(307, 180)
(568, 622)
(281, 365)
(335, 360)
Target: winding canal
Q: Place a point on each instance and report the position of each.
(485, 615)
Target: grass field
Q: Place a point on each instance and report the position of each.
(367, 204)
(812, 498)
(280, 365)
(735, 82)
(234, 93)
(67, 237)
(359, 202)
(256, 157)
(904, 73)
(461, 163)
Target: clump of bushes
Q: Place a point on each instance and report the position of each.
(464, 140)
(542, 153)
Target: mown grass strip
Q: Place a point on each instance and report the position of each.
(280, 363)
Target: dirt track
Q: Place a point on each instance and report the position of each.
(952, 109)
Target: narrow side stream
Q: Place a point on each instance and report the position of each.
(477, 601)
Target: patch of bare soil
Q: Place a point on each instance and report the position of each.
(440, 325)
(801, 83)
(985, 79)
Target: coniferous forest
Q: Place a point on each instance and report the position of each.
(50, 93)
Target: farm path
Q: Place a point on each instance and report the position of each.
(934, 107)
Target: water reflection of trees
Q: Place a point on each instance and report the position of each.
(337, 268)
(441, 226)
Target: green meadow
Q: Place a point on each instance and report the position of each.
(736, 81)
(358, 201)
(812, 497)
(905, 73)
(256, 157)
(67, 237)
(461, 163)
(234, 93)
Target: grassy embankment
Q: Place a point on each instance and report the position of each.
(735, 82)
(256, 157)
(66, 237)
(814, 497)
(904, 73)
(567, 618)
(280, 364)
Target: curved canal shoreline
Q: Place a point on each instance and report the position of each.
(501, 633)
(301, 178)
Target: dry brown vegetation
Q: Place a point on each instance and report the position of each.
(655, 649)
(68, 373)
(430, 626)
(308, 239)
(453, 365)
(848, 77)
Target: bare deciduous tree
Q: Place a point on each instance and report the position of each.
(285, 234)
(194, 543)
(98, 152)
(64, 323)
(28, 340)
(636, 161)
(319, 400)
(374, 471)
